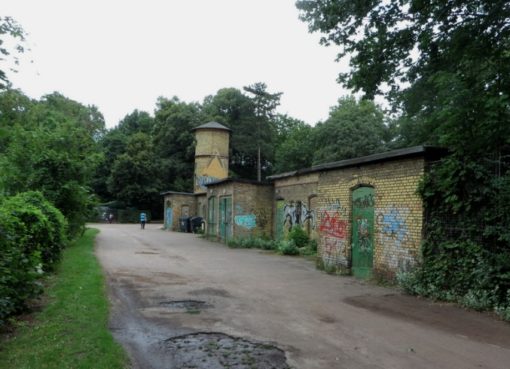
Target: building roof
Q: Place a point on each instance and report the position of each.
(176, 193)
(425, 151)
(212, 125)
(237, 180)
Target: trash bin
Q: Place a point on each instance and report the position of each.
(184, 224)
(196, 224)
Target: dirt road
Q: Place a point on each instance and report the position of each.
(179, 301)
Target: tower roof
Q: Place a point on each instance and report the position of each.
(212, 125)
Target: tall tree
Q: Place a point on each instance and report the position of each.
(10, 30)
(354, 128)
(174, 141)
(265, 104)
(237, 111)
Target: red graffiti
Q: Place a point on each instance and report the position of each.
(332, 225)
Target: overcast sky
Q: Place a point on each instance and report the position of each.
(122, 55)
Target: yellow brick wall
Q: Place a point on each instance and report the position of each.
(176, 206)
(398, 216)
(211, 157)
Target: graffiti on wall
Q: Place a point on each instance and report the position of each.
(203, 181)
(364, 241)
(334, 251)
(366, 201)
(331, 224)
(248, 221)
(333, 230)
(393, 223)
(297, 213)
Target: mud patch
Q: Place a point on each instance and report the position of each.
(147, 253)
(218, 351)
(217, 292)
(481, 327)
(188, 306)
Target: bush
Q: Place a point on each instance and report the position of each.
(32, 235)
(251, 242)
(288, 247)
(299, 236)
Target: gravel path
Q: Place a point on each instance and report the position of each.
(179, 301)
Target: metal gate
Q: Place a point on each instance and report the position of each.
(279, 220)
(362, 231)
(211, 216)
(225, 218)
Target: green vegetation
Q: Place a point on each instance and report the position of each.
(32, 236)
(297, 243)
(71, 330)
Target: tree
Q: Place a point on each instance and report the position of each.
(238, 112)
(354, 128)
(174, 143)
(296, 149)
(134, 177)
(265, 104)
(10, 30)
(50, 148)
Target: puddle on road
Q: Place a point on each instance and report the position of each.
(218, 351)
(186, 305)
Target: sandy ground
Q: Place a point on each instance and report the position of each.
(172, 291)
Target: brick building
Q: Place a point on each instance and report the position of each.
(365, 213)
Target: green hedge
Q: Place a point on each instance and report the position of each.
(32, 236)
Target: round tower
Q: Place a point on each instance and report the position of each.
(211, 154)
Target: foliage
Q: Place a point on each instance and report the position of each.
(251, 243)
(354, 128)
(10, 30)
(71, 331)
(295, 151)
(240, 113)
(287, 247)
(134, 174)
(51, 147)
(32, 236)
(299, 236)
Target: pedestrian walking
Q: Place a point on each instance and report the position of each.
(143, 219)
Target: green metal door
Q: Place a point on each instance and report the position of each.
(279, 220)
(225, 217)
(211, 216)
(362, 232)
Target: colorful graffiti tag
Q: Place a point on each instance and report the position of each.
(397, 247)
(365, 244)
(203, 181)
(334, 251)
(297, 213)
(332, 225)
(248, 221)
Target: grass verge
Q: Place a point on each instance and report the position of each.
(71, 330)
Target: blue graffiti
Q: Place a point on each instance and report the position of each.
(203, 181)
(394, 226)
(248, 221)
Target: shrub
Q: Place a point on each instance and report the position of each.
(19, 268)
(251, 242)
(32, 235)
(288, 247)
(299, 236)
